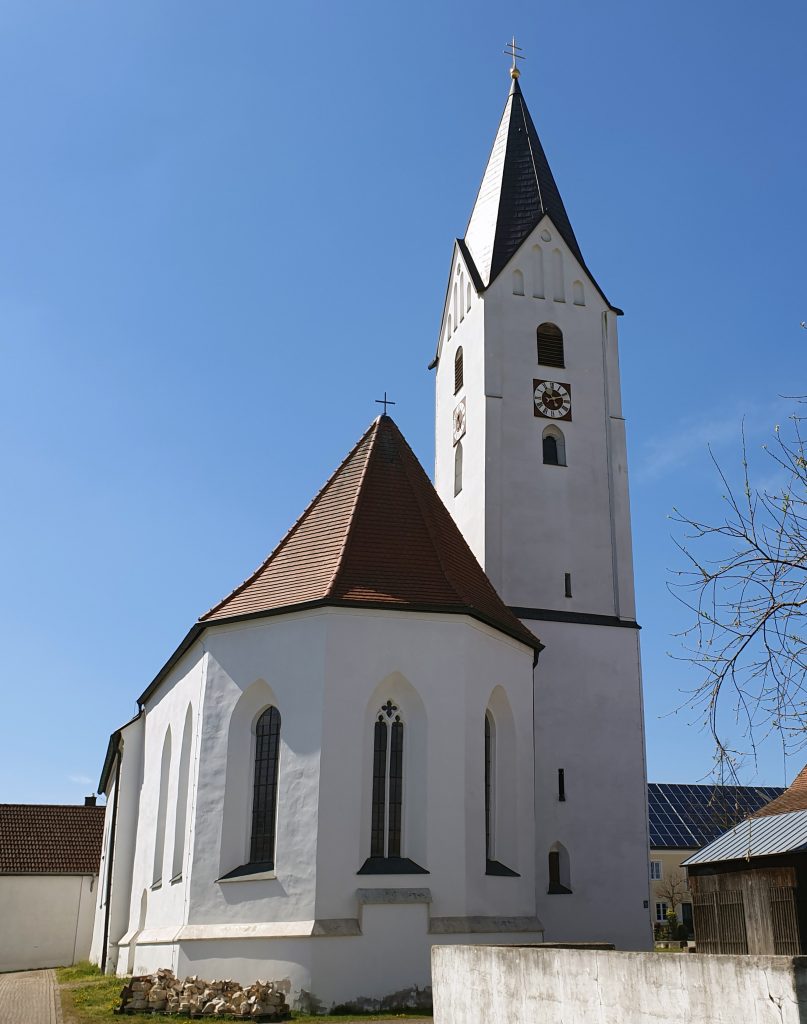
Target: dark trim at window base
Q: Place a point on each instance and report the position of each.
(391, 866)
(253, 868)
(558, 890)
(493, 867)
(550, 615)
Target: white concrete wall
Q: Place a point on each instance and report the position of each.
(45, 920)
(531, 985)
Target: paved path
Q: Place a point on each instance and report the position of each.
(30, 997)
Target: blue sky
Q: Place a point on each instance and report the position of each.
(226, 230)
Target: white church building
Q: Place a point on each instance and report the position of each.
(365, 749)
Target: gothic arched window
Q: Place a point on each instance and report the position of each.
(458, 370)
(490, 755)
(388, 739)
(264, 791)
(162, 809)
(550, 345)
(554, 447)
(458, 468)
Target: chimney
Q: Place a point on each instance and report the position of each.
(89, 801)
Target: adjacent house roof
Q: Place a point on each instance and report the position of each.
(686, 817)
(757, 837)
(794, 798)
(376, 535)
(50, 839)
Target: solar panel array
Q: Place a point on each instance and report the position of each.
(685, 817)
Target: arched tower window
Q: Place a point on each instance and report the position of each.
(264, 790)
(559, 876)
(550, 345)
(458, 370)
(388, 740)
(578, 296)
(458, 468)
(468, 297)
(554, 447)
(462, 292)
(518, 283)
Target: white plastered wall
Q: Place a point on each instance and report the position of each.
(530, 524)
(317, 925)
(47, 920)
(589, 722)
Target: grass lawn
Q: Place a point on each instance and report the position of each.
(89, 996)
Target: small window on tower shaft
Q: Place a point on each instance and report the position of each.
(554, 447)
(458, 370)
(458, 468)
(550, 345)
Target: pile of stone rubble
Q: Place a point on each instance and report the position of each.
(164, 993)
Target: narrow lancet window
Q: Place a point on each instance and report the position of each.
(459, 374)
(458, 468)
(488, 787)
(387, 811)
(264, 792)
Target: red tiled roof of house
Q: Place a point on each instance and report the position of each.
(50, 839)
(376, 535)
(794, 798)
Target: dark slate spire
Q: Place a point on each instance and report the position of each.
(516, 192)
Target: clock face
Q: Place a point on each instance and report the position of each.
(459, 421)
(552, 399)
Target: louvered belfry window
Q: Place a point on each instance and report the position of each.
(458, 370)
(550, 345)
(387, 812)
(264, 793)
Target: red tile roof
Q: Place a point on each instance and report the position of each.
(50, 839)
(794, 798)
(376, 535)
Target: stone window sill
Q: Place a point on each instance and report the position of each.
(255, 872)
(493, 867)
(391, 866)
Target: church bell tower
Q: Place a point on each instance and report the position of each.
(531, 461)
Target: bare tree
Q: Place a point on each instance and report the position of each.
(746, 585)
(672, 888)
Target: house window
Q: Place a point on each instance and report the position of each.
(550, 345)
(661, 913)
(458, 370)
(458, 468)
(655, 870)
(388, 731)
(264, 791)
(554, 447)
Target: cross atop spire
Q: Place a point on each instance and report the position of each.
(514, 51)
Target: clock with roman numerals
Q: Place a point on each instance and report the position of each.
(552, 399)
